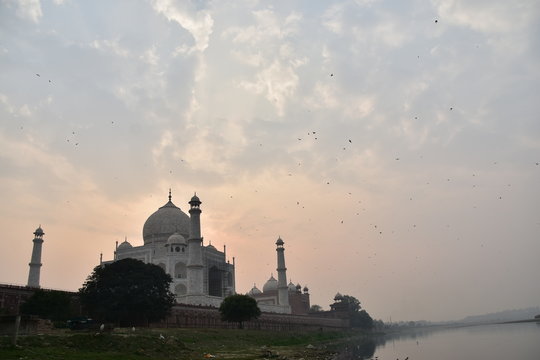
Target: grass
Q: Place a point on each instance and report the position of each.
(166, 344)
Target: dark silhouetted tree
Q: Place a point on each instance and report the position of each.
(239, 308)
(353, 304)
(315, 308)
(127, 292)
(361, 319)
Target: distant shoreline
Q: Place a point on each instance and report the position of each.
(454, 326)
(520, 321)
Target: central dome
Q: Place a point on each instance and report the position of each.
(166, 221)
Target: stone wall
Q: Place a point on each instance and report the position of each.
(28, 326)
(12, 296)
(187, 316)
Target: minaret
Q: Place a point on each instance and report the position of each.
(283, 289)
(35, 261)
(195, 263)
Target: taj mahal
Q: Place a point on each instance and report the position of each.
(201, 274)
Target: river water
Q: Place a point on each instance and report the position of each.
(491, 342)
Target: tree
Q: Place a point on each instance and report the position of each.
(127, 292)
(239, 308)
(361, 319)
(351, 305)
(315, 308)
(345, 303)
(49, 304)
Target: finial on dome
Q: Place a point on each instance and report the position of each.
(39, 231)
(195, 201)
(170, 196)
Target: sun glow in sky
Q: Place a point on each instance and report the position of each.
(394, 146)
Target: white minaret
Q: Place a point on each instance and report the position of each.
(195, 263)
(283, 289)
(35, 261)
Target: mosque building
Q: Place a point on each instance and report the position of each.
(201, 274)
(172, 240)
(276, 295)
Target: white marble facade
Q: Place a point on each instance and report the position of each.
(172, 240)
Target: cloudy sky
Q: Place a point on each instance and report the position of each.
(393, 145)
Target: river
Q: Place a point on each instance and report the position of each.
(494, 342)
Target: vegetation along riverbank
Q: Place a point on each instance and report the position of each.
(168, 344)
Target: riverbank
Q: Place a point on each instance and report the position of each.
(165, 344)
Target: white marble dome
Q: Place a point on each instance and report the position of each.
(176, 238)
(292, 287)
(124, 246)
(163, 223)
(271, 284)
(254, 290)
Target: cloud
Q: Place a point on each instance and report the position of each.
(110, 46)
(22, 111)
(33, 154)
(278, 82)
(276, 64)
(199, 23)
(29, 9)
(487, 16)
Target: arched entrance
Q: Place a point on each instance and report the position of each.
(215, 285)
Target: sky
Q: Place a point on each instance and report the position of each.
(393, 145)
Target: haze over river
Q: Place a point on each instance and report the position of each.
(494, 342)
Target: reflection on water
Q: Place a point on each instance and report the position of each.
(494, 342)
(362, 350)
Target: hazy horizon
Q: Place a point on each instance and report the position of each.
(394, 146)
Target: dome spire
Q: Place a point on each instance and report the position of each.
(170, 196)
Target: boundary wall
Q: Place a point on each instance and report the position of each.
(188, 316)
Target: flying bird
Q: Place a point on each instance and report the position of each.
(38, 75)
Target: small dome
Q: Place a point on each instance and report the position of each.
(39, 231)
(306, 290)
(298, 287)
(279, 241)
(176, 238)
(212, 247)
(195, 198)
(254, 291)
(124, 246)
(291, 286)
(270, 285)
